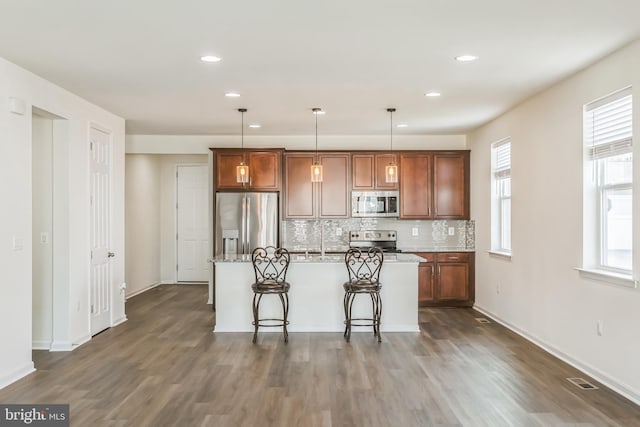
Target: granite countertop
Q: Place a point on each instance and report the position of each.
(317, 258)
(432, 249)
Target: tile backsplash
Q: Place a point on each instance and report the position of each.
(302, 235)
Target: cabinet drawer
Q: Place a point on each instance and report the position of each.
(452, 257)
(428, 256)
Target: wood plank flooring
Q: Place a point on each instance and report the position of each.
(164, 367)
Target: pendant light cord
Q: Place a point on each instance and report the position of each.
(391, 130)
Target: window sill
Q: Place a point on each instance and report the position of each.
(500, 254)
(609, 277)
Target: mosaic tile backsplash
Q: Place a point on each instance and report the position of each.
(305, 235)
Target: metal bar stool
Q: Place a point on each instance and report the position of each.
(363, 268)
(270, 265)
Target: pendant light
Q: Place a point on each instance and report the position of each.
(391, 170)
(316, 167)
(242, 170)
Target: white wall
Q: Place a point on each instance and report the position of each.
(200, 144)
(71, 183)
(541, 295)
(151, 218)
(142, 222)
(42, 220)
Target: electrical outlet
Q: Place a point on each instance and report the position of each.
(415, 231)
(338, 231)
(44, 237)
(452, 231)
(599, 328)
(498, 288)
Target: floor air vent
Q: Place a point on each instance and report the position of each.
(482, 320)
(582, 383)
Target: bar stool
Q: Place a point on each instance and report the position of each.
(270, 265)
(363, 268)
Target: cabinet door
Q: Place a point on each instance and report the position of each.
(450, 188)
(381, 162)
(363, 171)
(334, 188)
(425, 283)
(415, 186)
(264, 170)
(226, 170)
(299, 195)
(453, 281)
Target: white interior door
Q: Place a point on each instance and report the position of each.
(192, 230)
(100, 147)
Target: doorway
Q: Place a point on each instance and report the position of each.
(192, 237)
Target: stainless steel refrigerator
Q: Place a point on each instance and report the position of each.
(245, 221)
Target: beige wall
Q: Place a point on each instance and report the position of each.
(540, 294)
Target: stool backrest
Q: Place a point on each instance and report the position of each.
(364, 264)
(270, 264)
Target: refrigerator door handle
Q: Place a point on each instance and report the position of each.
(243, 236)
(248, 217)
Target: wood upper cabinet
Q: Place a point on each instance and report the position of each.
(299, 197)
(326, 199)
(264, 169)
(451, 185)
(446, 279)
(333, 191)
(415, 186)
(368, 171)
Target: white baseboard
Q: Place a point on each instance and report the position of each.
(40, 345)
(594, 373)
(15, 375)
(138, 292)
(119, 321)
(77, 342)
(61, 346)
(336, 329)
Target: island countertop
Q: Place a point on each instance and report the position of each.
(329, 258)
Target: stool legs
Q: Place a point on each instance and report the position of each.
(284, 300)
(376, 308)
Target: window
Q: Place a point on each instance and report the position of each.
(501, 198)
(608, 183)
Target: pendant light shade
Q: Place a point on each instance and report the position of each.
(242, 170)
(316, 167)
(391, 170)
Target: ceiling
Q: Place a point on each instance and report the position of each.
(140, 59)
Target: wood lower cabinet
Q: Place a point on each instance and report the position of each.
(264, 169)
(368, 171)
(327, 199)
(446, 279)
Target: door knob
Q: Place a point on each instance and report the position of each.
(111, 254)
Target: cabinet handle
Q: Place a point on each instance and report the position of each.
(454, 257)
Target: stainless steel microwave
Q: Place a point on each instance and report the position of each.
(374, 203)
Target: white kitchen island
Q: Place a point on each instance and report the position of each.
(316, 295)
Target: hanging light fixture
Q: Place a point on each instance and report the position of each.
(242, 170)
(391, 170)
(316, 167)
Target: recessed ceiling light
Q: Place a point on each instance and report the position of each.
(232, 94)
(254, 125)
(466, 58)
(402, 125)
(432, 94)
(211, 58)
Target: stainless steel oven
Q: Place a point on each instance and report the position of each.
(374, 204)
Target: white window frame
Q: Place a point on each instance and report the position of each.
(501, 242)
(597, 148)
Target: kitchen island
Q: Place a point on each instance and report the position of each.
(316, 294)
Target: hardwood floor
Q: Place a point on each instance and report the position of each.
(164, 367)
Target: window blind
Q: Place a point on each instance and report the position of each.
(502, 160)
(608, 126)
